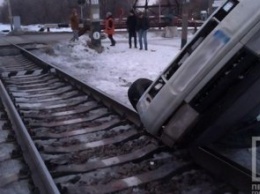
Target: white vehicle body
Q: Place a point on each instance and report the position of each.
(167, 108)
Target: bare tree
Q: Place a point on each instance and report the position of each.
(40, 11)
(50, 11)
(118, 8)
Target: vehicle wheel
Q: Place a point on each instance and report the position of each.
(137, 89)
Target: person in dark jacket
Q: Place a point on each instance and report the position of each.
(142, 27)
(110, 28)
(131, 28)
(74, 24)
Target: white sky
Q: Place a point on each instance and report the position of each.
(149, 1)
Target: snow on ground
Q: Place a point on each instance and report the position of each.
(113, 70)
(5, 28)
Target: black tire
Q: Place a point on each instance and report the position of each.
(137, 89)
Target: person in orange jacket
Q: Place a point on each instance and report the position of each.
(74, 24)
(110, 28)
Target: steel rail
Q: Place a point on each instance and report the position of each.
(235, 174)
(98, 95)
(41, 176)
(206, 159)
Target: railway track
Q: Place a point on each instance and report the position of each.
(77, 140)
(14, 176)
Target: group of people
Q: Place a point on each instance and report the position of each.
(139, 24)
(74, 24)
(135, 25)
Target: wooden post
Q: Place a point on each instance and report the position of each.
(10, 14)
(210, 8)
(184, 33)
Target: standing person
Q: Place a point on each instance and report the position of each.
(74, 24)
(142, 27)
(131, 28)
(110, 28)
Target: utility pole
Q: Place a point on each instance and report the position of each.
(184, 33)
(81, 12)
(95, 34)
(160, 12)
(81, 4)
(210, 8)
(10, 14)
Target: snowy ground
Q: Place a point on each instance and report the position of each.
(117, 67)
(113, 70)
(5, 28)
